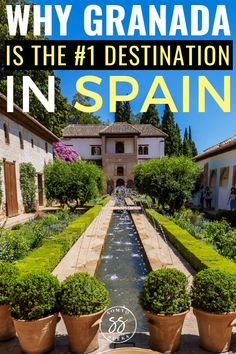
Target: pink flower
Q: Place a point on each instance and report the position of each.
(65, 153)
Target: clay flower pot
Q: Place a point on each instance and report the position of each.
(7, 329)
(165, 331)
(37, 336)
(215, 330)
(83, 332)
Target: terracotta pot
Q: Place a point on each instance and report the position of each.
(165, 331)
(7, 329)
(215, 330)
(37, 336)
(132, 351)
(83, 332)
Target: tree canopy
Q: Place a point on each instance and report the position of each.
(79, 117)
(73, 183)
(53, 121)
(151, 117)
(169, 180)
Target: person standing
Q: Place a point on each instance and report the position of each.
(208, 197)
(232, 199)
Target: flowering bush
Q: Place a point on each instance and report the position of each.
(65, 153)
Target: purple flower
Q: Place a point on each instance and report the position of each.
(65, 153)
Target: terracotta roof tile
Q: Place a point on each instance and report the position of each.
(96, 130)
(223, 146)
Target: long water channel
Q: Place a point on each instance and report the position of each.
(123, 266)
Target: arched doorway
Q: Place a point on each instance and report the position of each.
(120, 183)
(130, 184)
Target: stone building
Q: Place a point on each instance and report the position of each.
(117, 147)
(218, 165)
(22, 139)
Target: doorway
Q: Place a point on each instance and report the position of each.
(40, 189)
(10, 188)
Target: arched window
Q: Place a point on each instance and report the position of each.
(120, 149)
(6, 133)
(120, 171)
(145, 150)
(21, 141)
(140, 150)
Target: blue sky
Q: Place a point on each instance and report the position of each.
(208, 128)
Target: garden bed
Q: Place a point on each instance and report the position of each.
(16, 243)
(46, 257)
(196, 252)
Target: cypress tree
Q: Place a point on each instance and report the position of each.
(119, 112)
(151, 117)
(193, 145)
(127, 112)
(172, 142)
(187, 144)
(178, 140)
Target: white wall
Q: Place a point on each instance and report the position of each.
(12, 152)
(227, 159)
(83, 146)
(155, 147)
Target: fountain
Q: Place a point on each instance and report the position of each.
(123, 266)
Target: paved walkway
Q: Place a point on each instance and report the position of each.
(84, 256)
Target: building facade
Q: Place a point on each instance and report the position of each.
(218, 164)
(117, 147)
(22, 139)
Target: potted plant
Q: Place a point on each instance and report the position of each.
(214, 302)
(83, 301)
(8, 274)
(34, 307)
(165, 299)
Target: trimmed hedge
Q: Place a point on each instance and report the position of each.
(196, 252)
(102, 202)
(46, 257)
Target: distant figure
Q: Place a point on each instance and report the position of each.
(232, 199)
(208, 197)
(201, 196)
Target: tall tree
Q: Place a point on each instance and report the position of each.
(79, 117)
(127, 112)
(151, 117)
(53, 121)
(172, 143)
(119, 112)
(193, 145)
(187, 148)
(178, 140)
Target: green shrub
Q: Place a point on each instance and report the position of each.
(46, 257)
(214, 291)
(165, 292)
(8, 274)
(17, 227)
(82, 294)
(34, 296)
(73, 183)
(13, 246)
(196, 252)
(169, 180)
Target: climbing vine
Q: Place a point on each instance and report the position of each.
(27, 185)
(0, 184)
